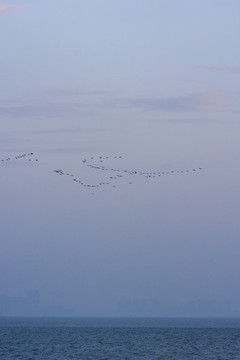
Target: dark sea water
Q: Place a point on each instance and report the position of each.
(105, 339)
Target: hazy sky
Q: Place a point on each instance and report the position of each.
(155, 82)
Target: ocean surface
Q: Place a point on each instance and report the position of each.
(111, 338)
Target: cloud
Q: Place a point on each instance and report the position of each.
(57, 103)
(194, 102)
(62, 107)
(77, 93)
(229, 68)
(73, 130)
(40, 109)
(5, 8)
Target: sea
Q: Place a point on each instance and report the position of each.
(119, 338)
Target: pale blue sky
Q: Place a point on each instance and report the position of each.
(156, 82)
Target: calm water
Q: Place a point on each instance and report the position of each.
(119, 339)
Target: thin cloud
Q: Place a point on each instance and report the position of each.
(57, 103)
(40, 109)
(69, 131)
(229, 68)
(59, 107)
(195, 102)
(6, 8)
(75, 93)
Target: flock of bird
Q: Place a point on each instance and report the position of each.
(115, 175)
(112, 175)
(27, 156)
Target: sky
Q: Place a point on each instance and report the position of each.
(119, 157)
